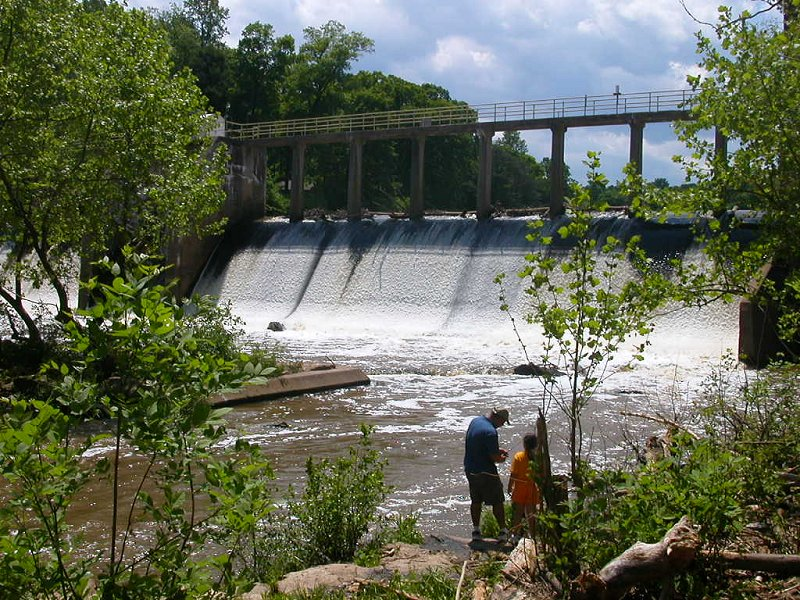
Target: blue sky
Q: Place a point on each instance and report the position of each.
(508, 50)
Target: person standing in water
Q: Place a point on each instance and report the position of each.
(482, 452)
(524, 492)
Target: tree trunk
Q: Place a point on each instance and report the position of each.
(544, 473)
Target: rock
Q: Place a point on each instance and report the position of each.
(317, 366)
(407, 558)
(331, 576)
(522, 562)
(537, 370)
(258, 592)
(397, 558)
(276, 326)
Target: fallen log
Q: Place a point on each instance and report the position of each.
(642, 563)
(779, 564)
(662, 561)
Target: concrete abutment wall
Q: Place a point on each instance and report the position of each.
(245, 200)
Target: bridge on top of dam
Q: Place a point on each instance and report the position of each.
(249, 141)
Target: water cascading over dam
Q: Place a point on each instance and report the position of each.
(434, 276)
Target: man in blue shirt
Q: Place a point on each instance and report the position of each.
(482, 452)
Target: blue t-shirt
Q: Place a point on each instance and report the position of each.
(479, 446)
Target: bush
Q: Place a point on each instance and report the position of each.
(339, 502)
(615, 509)
(148, 372)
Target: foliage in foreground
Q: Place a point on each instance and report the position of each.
(729, 477)
(339, 501)
(128, 410)
(748, 92)
(136, 390)
(101, 144)
(335, 518)
(578, 290)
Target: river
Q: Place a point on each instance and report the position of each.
(414, 305)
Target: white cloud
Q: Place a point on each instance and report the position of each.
(678, 73)
(511, 12)
(642, 20)
(374, 18)
(461, 54)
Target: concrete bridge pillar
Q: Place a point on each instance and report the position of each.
(485, 135)
(636, 145)
(298, 180)
(355, 178)
(417, 208)
(557, 170)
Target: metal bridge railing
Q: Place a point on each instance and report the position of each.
(578, 106)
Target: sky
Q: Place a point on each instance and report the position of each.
(487, 51)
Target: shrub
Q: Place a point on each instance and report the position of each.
(148, 371)
(339, 502)
(615, 509)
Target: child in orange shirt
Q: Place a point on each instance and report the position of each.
(523, 490)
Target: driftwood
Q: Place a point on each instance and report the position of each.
(662, 561)
(642, 563)
(522, 562)
(780, 564)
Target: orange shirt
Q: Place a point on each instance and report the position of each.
(523, 489)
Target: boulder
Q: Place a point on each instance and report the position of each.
(397, 558)
(537, 370)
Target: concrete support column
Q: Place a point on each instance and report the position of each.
(298, 180)
(246, 183)
(246, 196)
(483, 209)
(417, 208)
(557, 171)
(355, 178)
(637, 146)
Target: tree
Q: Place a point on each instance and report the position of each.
(518, 179)
(316, 80)
(196, 32)
(208, 18)
(749, 93)
(148, 368)
(450, 161)
(262, 64)
(577, 290)
(100, 145)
